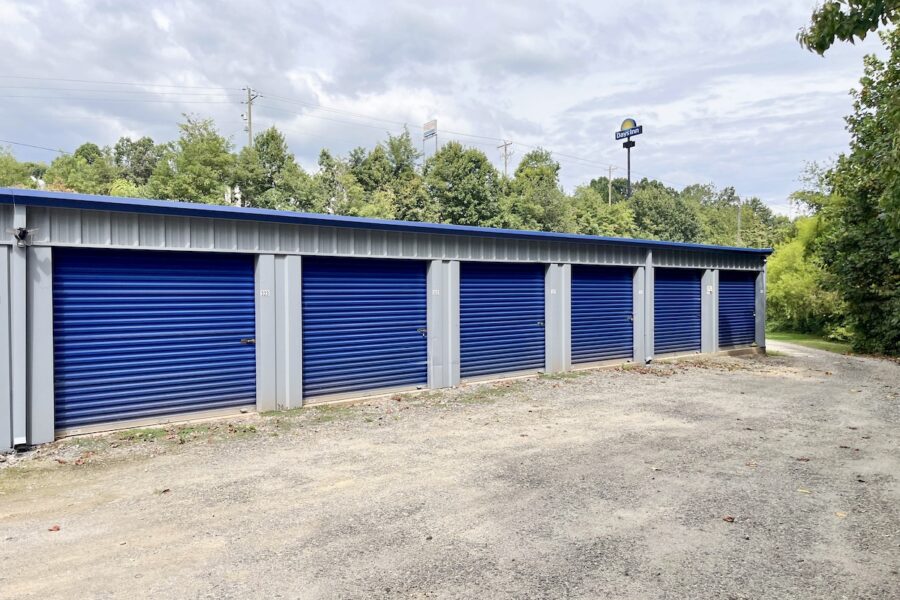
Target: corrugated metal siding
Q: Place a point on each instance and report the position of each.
(362, 325)
(69, 227)
(676, 313)
(145, 334)
(501, 318)
(602, 320)
(737, 308)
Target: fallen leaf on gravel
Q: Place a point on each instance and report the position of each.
(803, 491)
(840, 515)
(752, 464)
(54, 528)
(61, 461)
(728, 519)
(844, 447)
(803, 459)
(854, 428)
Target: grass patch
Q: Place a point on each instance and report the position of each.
(486, 393)
(328, 413)
(151, 434)
(809, 340)
(565, 375)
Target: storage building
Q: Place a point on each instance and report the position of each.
(118, 312)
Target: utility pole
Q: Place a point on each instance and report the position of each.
(504, 148)
(609, 184)
(739, 243)
(248, 116)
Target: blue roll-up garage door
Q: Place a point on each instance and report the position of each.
(676, 312)
(363, 325)
(602, 305)
(737, 308)
(148, 334)
(501, 318)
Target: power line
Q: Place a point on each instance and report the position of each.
(166, 85)
(34, 146)
(109, 91)
(225, 100)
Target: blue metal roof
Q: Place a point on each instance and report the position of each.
(213, 211)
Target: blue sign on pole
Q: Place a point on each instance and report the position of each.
(627, 133)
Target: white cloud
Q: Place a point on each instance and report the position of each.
(723, 89)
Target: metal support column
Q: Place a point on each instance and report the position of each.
(709, 311)
(41, 422)
(648, 307)
(761, 308)
(289, 331)
(443, 324)
(558, 318)
(639, 298)
(6, 437)
(18, 332)
(266, 336)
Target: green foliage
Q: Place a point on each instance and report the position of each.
(137, 159)
(196, 168)
(594, 215)
(125, 188)
(89, 170)
(861, 247)
(798, 294)
(12, 172)
(660, 213)
(464, 185)
(847, 20)
(533, 200)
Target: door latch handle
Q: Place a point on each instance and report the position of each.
(248, 340)
(540, 323)
(423, 331)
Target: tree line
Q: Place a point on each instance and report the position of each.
(838, 273)
(457, 185)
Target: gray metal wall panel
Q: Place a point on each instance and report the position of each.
(6, 221)
(289, 331)
(39, 343)
(122, 230)
(709, 300)
(693, 259)
(18, 331)
(443, 324)
(6, 437)
(266, 339)
(558, 318)
(649, 307)
(761, 309)
(639, 299)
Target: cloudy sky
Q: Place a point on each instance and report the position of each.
(724, 92)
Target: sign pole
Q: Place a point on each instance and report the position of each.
(628, 146)
(629, 128)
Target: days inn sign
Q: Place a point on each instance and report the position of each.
(629, 128)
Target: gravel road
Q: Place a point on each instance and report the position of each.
(731, 477)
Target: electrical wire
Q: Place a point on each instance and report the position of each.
(166, 85)
(34, 146)
(95, 99)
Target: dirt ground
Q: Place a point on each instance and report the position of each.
(752, 477)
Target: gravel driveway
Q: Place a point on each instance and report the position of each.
(756, 477)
